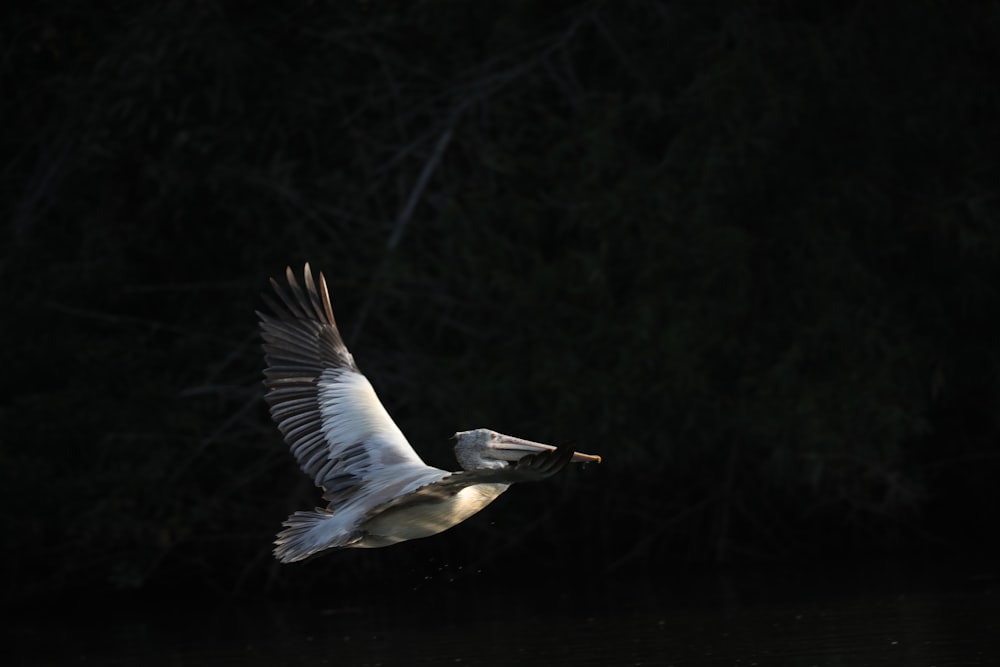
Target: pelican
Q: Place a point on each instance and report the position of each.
(379, 491)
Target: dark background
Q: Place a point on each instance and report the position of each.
(749, 252)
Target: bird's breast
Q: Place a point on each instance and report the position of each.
(424, 517)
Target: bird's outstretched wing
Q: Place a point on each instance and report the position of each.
(531, 468)
(328, 412)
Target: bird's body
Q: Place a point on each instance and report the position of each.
(425, 517)
(379, 490)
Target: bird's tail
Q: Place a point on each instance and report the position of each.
(308, 533)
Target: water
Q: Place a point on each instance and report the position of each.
(762, 619)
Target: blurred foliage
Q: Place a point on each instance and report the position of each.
(748, 252)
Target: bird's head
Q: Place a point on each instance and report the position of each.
(485, 448)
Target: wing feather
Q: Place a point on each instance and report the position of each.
(531, 468)
(337, 429)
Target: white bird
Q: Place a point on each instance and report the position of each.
(379, 490)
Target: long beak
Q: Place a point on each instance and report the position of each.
(518, 447)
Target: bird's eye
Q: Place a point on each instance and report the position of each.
(493, 436)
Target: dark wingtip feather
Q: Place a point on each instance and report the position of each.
(324, 295)
(542, 465)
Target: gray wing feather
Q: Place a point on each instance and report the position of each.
(531, 468)
(327, 411)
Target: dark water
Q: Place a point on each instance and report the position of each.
(776, 618)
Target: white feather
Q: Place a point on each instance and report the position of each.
(353, 415)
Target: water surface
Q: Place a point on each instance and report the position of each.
(815, 618)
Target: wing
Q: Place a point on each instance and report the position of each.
(327, 411)
(531, 468)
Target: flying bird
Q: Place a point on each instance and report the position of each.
(379, 491)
